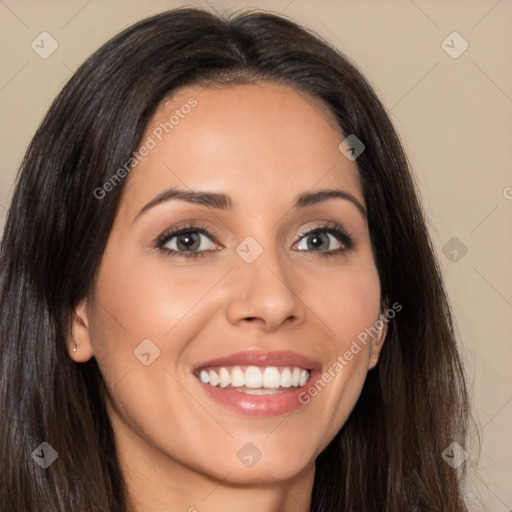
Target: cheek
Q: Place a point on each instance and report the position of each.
(351, 306)
(144, 299)
(350, 302)
(141, 298)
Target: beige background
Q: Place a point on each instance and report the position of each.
(454, 116)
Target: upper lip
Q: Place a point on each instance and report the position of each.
(262, 358)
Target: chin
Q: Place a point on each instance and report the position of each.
(263, 471)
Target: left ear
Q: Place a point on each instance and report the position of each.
(377, 342)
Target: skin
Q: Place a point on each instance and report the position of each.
(262, 144)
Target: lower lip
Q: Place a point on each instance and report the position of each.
(257, 405)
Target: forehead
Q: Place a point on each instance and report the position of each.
(261, 139)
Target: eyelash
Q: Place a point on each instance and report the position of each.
(339, 233)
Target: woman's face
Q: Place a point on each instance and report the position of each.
(253, 285)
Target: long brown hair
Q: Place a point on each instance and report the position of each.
(387, 456)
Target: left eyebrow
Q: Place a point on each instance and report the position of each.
(223, 202)
(312, 198)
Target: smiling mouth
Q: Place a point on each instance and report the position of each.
(255, 380)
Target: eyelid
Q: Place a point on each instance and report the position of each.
(334, 229)
(185, 228)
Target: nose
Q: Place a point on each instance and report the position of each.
(265, 293)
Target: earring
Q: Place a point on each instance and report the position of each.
(75, 346)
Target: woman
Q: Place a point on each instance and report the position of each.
(173, 334)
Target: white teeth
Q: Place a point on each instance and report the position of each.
(237, 378)
(271, 378)
(304, 376)
(214, 378)
(204, 377)
(224, 377)
(255, 378)
(261, 391)
(286, 378)
(295, 376)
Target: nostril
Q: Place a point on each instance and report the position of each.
(251, 319)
